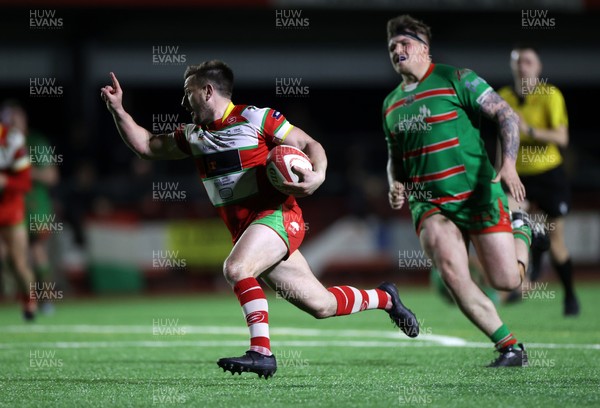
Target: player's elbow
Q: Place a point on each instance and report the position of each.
(144, 152)
(145, 156)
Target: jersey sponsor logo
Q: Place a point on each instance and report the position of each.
(228, 188)
(231, 119)
(217, 164)
(276, 115)
(472, 85)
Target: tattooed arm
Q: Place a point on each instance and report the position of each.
(498, 110)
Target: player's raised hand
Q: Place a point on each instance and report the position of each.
(396, 195)
(112, 94)
(309, 182)
(508, 174)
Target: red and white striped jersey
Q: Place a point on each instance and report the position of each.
(230, 155)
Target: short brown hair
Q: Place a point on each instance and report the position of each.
(410, 24)
(216, 72)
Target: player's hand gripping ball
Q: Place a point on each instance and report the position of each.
(280, 162)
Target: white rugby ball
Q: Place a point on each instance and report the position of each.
(280, 161)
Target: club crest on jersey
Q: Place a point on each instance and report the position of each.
(231, 119)
(409, 100)
(424, 111)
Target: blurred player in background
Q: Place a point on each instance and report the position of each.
(544, 132)
(436, 155)
(15, 181)
(229, 144)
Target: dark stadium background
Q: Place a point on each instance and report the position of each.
(341, 56)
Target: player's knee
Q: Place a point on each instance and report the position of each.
(509, 281)
(234, 271)
(325, 307)
(321, 313)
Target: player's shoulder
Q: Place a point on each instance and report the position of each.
(453, 73)
(445, 69)
(251, 110)
(258, 115)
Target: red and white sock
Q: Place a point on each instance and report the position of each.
(256, 310)
(351, 300)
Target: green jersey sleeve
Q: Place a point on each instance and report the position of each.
(470, 88)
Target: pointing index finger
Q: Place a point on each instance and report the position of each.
(115, 81)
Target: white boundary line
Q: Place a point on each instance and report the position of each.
(399, 340)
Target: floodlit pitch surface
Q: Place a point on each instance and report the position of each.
(146, 352)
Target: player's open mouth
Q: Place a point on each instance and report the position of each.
(399, 58)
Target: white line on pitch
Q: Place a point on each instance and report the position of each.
(400, 340)
(279, 331)
(282, 343)
(228, 343)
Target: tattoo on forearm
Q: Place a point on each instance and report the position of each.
(497, 109)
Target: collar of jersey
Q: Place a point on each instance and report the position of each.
(217, 123)
(427, 73)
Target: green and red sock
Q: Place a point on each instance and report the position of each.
(503, 338)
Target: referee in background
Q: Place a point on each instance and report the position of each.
(544, 132)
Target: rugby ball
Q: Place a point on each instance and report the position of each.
(280, 161)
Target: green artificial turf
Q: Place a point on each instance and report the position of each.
(152, 352)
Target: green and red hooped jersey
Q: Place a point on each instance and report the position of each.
(230, 155)
(433, 126)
